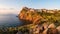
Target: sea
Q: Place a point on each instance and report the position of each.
(9, 21)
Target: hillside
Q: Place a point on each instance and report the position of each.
(43, 20)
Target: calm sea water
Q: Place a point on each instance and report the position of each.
(9, 21)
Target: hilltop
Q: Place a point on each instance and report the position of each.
(37, 15)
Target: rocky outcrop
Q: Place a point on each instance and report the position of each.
(36, 15)
(29, 15)
(44, 21)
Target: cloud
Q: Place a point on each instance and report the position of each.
(4, 9)
(8, 11)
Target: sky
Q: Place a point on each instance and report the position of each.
(14, 6)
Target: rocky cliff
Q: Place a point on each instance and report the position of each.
(36, 16)
(31, 15)
(43, 20)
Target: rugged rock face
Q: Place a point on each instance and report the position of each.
(44, 21)
(35, 16)
(29, 14)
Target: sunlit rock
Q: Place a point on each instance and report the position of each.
(58, 28)
(52, 26)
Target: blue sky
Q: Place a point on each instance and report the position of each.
(13, 6)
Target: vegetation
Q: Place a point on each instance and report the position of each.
(14, 30)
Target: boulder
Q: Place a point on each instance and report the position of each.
(58, 28)
(45, 31)
(52, 26)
